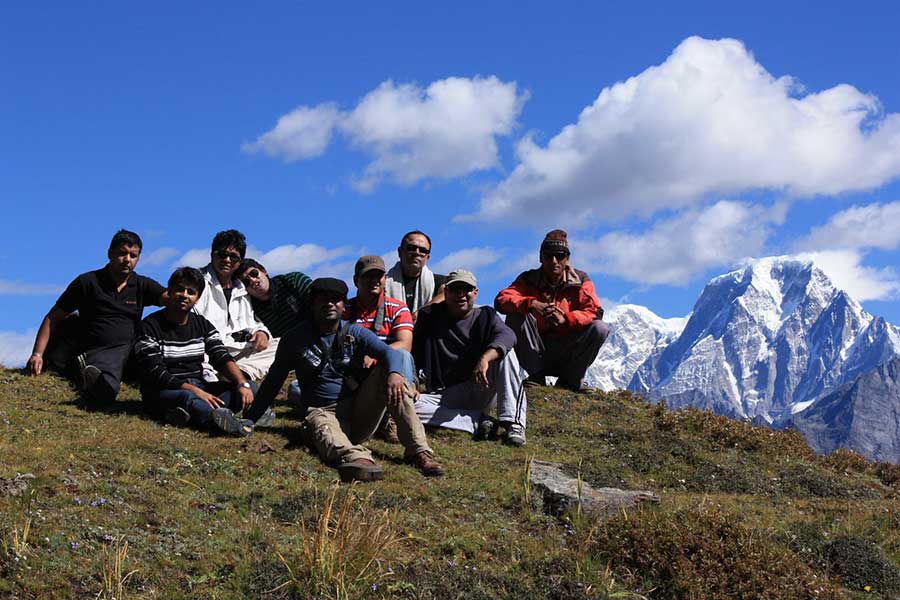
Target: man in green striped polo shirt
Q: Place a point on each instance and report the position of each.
(280, 302)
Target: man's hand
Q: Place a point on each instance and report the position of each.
(213, 401)
(396, 389)
(246, 395)
(480, 373)
(35, 365)
(260, 341)
(538, 308)
(368, 361)
(555, 315)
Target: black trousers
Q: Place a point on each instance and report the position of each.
(567, 357)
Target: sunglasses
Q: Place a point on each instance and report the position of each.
(251, 274)
(417, 249)
(559, 256)
(223, 254)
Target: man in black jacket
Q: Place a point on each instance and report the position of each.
(468, 365)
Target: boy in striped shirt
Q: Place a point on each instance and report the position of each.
(170, 350)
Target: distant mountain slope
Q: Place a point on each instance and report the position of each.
(763, 342)
(863, 415)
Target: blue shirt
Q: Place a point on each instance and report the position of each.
(323, 364)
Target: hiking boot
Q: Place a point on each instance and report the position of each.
(486, 429)
(267, 419)
(225, 420)
(515, 435)
(177, 416)
(361, 469)
(387, 431)
(424, 462)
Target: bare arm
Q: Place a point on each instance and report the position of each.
(35, 363)
(480, 374)
(404, 340)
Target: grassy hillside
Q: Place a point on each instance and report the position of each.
(123, 506)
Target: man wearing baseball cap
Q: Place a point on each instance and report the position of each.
(468, 365)
(556, 315)
(343, 407)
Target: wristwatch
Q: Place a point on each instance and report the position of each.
(246, 384)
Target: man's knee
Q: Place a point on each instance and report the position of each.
(598, 331)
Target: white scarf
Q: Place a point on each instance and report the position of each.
(394, 288)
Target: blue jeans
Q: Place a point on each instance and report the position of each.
(199, 410)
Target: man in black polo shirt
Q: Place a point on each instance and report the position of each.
(94, 345)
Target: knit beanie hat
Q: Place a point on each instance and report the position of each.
(555, 241)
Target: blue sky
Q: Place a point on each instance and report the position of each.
(671, 142)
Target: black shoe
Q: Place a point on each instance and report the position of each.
(535, 380)
(177, 416)
(486, 429)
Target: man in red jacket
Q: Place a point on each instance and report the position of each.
(556, 315)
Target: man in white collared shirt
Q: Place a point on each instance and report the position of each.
(226, 304)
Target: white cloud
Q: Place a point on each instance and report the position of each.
(709, 120)
(871, 226)
(158, 257)
(309, 258)
(674, 251)
(303, 133)
(15, 347)
(448, 129)
(860, 282)
(471, 259)
(21, 288)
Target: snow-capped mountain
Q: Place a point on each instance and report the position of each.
(763, 342)
(767, 341)
(636, 334)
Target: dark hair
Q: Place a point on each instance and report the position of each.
(415, 232)
(230, 237)
(124, 237)
(188, 275)
(247, 264)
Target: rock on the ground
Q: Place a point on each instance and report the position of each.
(560, 493)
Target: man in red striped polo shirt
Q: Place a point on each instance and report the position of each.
(388, 318)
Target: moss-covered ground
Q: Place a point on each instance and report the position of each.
(122, 505)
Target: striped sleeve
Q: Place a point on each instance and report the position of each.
(149, 353)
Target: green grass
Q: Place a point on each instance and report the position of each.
(123, 506)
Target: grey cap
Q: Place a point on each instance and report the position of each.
(463, 276)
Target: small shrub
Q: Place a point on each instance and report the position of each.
(861, 564)
(704, 553)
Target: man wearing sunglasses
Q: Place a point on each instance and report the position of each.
(556, 315)
(410, 279)
(281, 301)
(226, 304)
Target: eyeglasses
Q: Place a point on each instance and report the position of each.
(224, 254)
(417, 249)
(559, 256)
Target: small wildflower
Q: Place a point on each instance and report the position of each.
(74, 545)
(77, 500)
(868, 588)
(98, 502)
(107, 537)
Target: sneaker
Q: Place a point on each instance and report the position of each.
(387, 431)
(515, 435)
(177, 416)
(88, 374)
(225, 420)
(361, 469)
(424, 461)
(267, 419)
(535, 380)
(486, 429)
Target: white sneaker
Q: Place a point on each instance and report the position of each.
(515, 435)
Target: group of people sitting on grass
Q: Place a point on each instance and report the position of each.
(411, 349)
